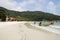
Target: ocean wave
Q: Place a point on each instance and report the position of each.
(54, 26)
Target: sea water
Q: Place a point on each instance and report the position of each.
(57, 24)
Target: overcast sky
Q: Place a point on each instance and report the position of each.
(51, 6)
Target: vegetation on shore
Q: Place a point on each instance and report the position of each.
(27, 15)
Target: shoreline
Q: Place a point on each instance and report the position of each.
(24, 31)
(48, 28)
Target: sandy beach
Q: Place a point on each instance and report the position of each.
(24, 31)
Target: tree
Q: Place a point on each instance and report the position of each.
(2, 14)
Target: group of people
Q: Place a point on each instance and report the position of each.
(11, 19)
(50, 23)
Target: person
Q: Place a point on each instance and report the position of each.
(0, 19)
(52, 22)
(40, 23)
(34, 22)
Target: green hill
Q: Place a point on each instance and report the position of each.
(28, 15)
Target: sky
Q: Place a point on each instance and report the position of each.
(51, 6)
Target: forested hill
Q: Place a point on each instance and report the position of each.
(27, 15)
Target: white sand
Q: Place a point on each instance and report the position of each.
(22, 31)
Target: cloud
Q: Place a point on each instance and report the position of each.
(22, 6)
(28, 4)
(10, 4)
(32, 5)
(51, 7)
(7, 4)
(13, 5)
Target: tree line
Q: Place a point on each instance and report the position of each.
(27, 15)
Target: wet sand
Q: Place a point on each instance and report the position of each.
(24, 31)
